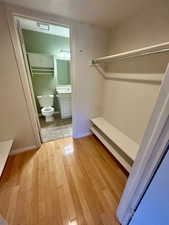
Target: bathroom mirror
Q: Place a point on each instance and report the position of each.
(63, 71)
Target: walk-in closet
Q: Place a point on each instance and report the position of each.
(132, 82)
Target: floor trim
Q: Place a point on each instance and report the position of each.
(83, 135)
(25, 149)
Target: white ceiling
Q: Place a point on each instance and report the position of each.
(54, 30)
(100, 12)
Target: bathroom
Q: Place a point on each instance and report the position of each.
(47, 49)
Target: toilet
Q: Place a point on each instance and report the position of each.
(46, 103)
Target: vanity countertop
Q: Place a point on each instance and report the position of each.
(64, 89)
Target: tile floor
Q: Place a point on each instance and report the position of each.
(59, 128)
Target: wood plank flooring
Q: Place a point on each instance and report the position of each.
(66, 182)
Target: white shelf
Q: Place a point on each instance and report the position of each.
(153, 49)
(117, 155)
(127, 145)
(5, 148)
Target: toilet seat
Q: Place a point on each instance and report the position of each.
(47, 109)
(48, 112)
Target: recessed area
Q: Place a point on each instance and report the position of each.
(47, 51)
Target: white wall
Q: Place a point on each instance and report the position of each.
(87, 42)
(128, 103)
(91, 42)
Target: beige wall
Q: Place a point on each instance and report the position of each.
(148, 27)
(14, 118)
(128, 103)
(91, 41)
(87, 42)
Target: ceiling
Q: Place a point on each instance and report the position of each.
(53, 29)
(100, 12)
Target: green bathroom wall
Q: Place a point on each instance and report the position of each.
(37, 42)
(44, 43)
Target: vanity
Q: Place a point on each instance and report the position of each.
(64, 95)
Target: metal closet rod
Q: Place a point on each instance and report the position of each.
(132, 54)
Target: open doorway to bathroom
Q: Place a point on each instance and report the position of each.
(46, 49)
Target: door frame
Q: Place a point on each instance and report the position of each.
(12, 13)
(152, 149)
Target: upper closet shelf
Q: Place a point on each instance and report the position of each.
(154, 49)
(41, 64)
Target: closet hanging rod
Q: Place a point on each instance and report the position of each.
(154, 49)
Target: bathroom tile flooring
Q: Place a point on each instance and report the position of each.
(59, 128)
(58, 122)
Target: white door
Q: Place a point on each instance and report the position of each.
(22, 43)
(154, 207)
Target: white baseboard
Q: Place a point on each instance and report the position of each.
(20, 150)
(83, 135)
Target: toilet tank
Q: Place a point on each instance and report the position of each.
(45, 100)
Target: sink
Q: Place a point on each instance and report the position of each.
(64, 89)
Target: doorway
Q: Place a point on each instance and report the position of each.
(46, 52)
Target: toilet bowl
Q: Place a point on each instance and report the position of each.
(48, 112)
(46, 103)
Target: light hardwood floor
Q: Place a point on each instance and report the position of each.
(66, 182)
